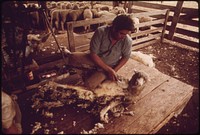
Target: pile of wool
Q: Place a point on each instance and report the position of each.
(143, 58)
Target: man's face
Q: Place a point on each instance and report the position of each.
(118, 35)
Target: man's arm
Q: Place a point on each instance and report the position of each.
(121, 63)
(111, 72)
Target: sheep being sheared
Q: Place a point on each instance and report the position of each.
(110, 96)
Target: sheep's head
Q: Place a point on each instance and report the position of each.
(137, 83)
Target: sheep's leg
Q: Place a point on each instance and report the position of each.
(88, 28)
(103, 113)
(80, 91)
(57, 24)
(85, 29)
(137, 30)
(62, 25)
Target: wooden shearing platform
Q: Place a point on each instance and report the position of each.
(161, 99)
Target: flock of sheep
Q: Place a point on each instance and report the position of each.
(61, 12)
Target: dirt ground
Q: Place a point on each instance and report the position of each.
(183, 65)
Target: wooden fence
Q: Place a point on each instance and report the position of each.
(70, 31)
(140, 38)
(178, 15)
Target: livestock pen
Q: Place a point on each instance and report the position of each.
(162, 98)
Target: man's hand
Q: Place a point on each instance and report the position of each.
(112, 74)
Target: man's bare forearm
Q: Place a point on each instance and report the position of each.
(121, 63)
(97, 60)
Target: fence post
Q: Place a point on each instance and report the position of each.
(175, 19)
(129, 5)
(165, 25)
(70, 37)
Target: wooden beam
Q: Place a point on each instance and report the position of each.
(186, 42)
(92, 21)
(189, 22)
(175, 20)
(70, 34)
(130, 4)
(149, 23)
(188, 16)
(187, 32)
(141, 33)
(136, 47)
(83, 48)
(152, 5)
(150, 13)
(165, 25)
(182, 45)
(144, 39)
(190, 11)
(133, 10)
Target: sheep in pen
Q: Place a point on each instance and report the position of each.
(109, 97)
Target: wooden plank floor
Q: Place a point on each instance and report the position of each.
(162, 97)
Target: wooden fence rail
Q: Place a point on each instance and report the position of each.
(179, 15)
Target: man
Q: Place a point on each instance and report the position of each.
(11, 115)
(110, 49)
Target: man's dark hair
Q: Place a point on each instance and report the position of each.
(123, 22)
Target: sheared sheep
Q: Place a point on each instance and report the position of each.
(145, 19)
(135, 21)
(106, 13)
(53, 4)
(55, 18)
(95, 13)
(63, 18)
(75, 15)
(87, 14)
(75, 6)
(69, 5)
(118, 10)
(109, 96)
(104, 8)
